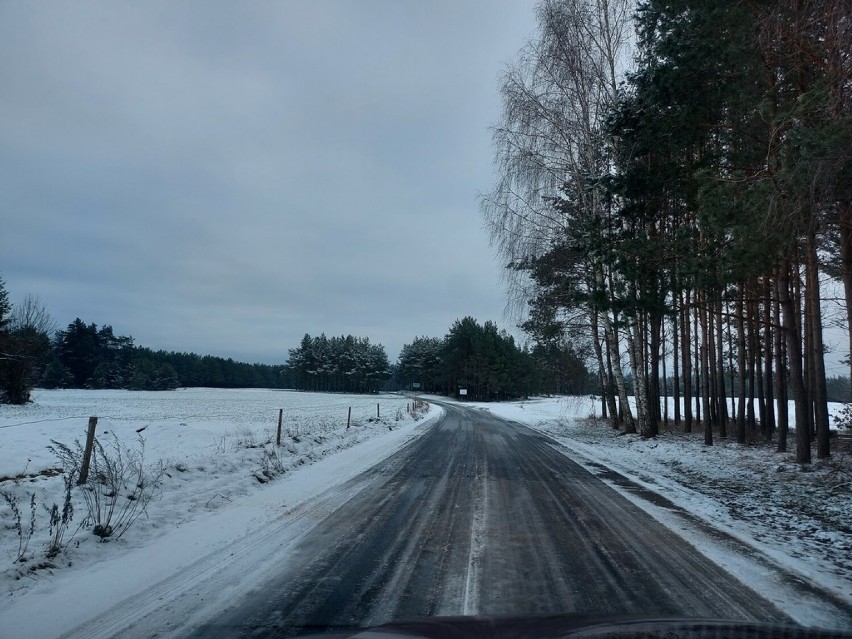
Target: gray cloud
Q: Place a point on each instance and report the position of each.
(224, 177)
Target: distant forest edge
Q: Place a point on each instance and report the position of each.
(477, 357)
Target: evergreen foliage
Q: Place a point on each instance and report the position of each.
(686, 216)
(338, 364)
(24, 346)
(488, 364)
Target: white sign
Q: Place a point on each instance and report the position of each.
(462, 391)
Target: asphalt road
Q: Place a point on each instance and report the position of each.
(483, 516)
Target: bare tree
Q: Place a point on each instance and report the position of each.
(549, 146)
(31, 315)
(27, 339)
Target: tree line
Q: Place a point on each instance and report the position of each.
(474, 356)
(337, 364)
(680, 193)
(488, 365)
(34, 354)
(85, 356)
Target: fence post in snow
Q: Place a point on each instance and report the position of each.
(349, 417)
(278, 434)
(377, 411)
(87, 453)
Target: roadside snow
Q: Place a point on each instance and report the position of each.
(214, 446)
(799, 519)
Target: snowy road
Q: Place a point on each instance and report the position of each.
(483, 516)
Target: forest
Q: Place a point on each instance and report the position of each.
(87, 356)
(488, 365)
(675, 182)
(478, 357)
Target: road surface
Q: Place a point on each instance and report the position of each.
(483, 516)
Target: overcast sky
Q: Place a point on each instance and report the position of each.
(223, 177)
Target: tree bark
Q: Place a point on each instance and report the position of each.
(780, 371)
(665, 384)
(713, 395)
(751, 316)
(612, 346)
(820, 395)
(705, 370)
(767, 358)
(741, 366)
(676, 371)
(720, 373)
(794, 351)
(640, 384)
(607, 401)
(698, 371)
(846, 274)
(686, 356)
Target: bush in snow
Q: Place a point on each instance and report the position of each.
(118, 488)
(270, 464)
(60, 518)
(24, 530)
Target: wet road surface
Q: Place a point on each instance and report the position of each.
(483, 516)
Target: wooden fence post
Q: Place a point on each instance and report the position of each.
(87, 453)
(349, 417)
(278, 434)
(378, 416)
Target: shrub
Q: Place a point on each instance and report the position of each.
(24, 531)
(59, 519)
(118, 488)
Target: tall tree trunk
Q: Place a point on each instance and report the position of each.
(720, 373)
(767, 358)
(780, 371)
(655, 329)
(820, 396)
(612, 346)
(713, 395)
(617, 415)
(676, 364)
(751, 316)
(758, 377)
(803, 327)
(686, 354)
(705, 369)
(741, 365)
(846, 274)
(665, 384)
(794, 352)
(731, 374)
(607, 401)
(698, 372)
(640, 384)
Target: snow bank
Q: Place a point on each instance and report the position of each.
(213, 445)
(799, 519)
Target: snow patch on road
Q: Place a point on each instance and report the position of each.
(470, 600)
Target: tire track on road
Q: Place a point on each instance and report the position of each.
(480, 515)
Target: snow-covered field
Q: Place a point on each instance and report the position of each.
(214, 453)
(771, 510)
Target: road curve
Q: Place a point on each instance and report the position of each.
(484, 516)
